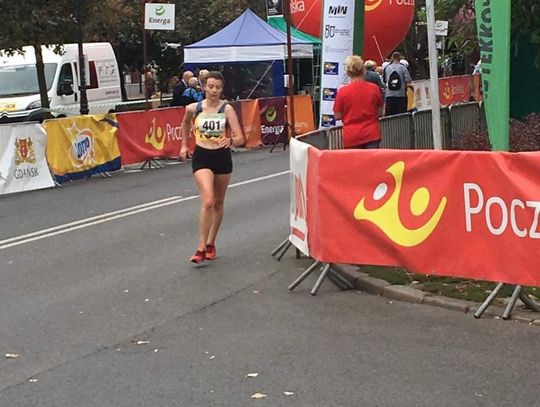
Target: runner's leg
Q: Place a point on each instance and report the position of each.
(221, 182)
(204, 178)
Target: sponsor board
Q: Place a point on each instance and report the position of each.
(298, 209)
(272, 116)
(81, 146)
(23, 166)
(304, 120)
(159, 16)
(452, 90)
(450, 213)
(274, 8)
(157, 133)
(338, 28)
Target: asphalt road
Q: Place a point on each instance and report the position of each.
(75, 300)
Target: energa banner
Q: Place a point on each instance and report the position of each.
(144, 135)
(465, 214)
(81, 146)
(298, 215)
(23, 166)
(272, 119)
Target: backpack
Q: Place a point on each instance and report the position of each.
(394, 81)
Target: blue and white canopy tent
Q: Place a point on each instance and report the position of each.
(248, 39)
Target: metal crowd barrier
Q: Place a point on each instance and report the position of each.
(411, 130)
(335, 138)
(316, 138)
(397, 131)
(464, 118)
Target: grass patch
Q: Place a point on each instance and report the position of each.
(463, 289)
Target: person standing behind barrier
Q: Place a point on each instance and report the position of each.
(203, 74)
(397, 78)
(191, 94)
(180, 88)
(359, 105)
(372, 76)
(211, 160)
(149, 84)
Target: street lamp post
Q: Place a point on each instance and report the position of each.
(82, 73)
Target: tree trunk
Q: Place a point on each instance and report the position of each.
(40, 67)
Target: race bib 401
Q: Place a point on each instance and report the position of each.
(212, 125)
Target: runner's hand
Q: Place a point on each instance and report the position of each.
(224, 142)
(183, 153)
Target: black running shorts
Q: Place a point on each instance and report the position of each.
(219, 161)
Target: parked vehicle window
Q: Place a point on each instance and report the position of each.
(91, 81)
(66, 74)
(22, 80)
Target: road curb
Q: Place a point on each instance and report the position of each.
(363, 282)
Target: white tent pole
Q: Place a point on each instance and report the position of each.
(434, 76)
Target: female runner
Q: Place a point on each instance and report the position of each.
(211, 120)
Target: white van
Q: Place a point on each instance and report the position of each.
(19, 90)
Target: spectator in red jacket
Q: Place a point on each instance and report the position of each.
(359, 105)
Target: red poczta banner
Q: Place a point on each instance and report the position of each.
(465, 214)
(144, 135)
(454, 89)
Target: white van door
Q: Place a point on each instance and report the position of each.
(66, 95)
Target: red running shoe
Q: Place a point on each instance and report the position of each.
(211, 252)
(198, 257)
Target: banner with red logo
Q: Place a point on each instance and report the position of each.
(273, 122)
(454, 89)
(466, 214)
(23, 166)
(144, 135)
(80, 146)
(298, 216)
(248, 114)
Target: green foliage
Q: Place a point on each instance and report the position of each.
(526, 24)
(52, 22)
(37, 23)
(32, 22)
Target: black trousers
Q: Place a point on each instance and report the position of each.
(395, 105)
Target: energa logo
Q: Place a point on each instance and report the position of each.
(271, 114)
(388, 217)
(160, 10)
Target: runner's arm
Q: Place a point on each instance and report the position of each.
(186, 129)
(238, 138)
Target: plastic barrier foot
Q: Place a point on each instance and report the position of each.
(326, 271)
(304, 275)
(517, 294)
(322, 276)
(488, 301)
(151, 164)
(346, 284)
(283, 247)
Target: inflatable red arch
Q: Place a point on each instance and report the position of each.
(386, 23)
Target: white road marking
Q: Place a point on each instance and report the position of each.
(108, 217)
